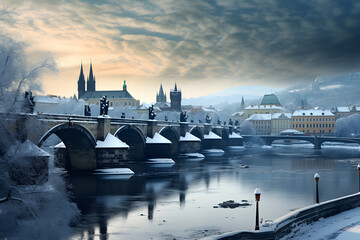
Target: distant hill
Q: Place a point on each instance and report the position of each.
(231, 95)
(324, 92)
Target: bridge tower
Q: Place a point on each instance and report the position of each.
(81, 82)
(175, 97)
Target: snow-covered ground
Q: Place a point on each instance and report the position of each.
(344, 226)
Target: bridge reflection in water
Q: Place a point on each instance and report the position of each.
(177, 202)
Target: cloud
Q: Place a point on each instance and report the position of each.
(263, 42)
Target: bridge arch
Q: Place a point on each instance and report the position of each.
(136, 140)
(170, 133)
(80, 145)
(196, 131)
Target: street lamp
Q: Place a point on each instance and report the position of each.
(358, 167)
(316, 177)
(257, 193)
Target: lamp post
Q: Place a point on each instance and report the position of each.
(316, 177)
(358, 167)
(257, 193)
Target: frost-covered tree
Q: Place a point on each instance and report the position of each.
(247, 128)
(348, 126)
(16, 73)
(37, 204)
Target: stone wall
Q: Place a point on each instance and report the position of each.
(189, 147)
(287, 223)
(111, 157)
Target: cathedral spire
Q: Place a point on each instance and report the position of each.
(175, 88)
(91, 79)
(81, 82)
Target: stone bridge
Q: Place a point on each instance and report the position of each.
(317, 141)
(80, 134)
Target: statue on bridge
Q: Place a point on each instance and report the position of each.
(236, 122)
(207, 118)
(122, 115)
(219, 121)
(29, 103)
(104, 105)
(183, 117)
(166, 118)
(231, 122)
(152, 113)
(87, 110)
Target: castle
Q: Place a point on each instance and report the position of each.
(91, 96)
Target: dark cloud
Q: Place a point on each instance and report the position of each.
(277, 41)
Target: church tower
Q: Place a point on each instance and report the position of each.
(91, 80)
(242, 105)
(161, 97)
(124, 86)
(81, 83)
(175, 97)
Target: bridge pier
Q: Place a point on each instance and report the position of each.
(317, 143)
(151, 128)
(183, 128)
(103, 129)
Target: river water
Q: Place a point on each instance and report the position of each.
(177, 202)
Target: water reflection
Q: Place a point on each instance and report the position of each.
(178, 201)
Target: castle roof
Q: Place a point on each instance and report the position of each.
(270, 99)
(110, 94)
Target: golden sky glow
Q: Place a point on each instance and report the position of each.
(204, 47)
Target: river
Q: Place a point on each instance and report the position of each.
(179, 201)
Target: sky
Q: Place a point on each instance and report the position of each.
(203, 46)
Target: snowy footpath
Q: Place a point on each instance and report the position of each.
(343, 226)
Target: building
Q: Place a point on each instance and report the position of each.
(261, 123)
(269, 104)
(313, 121)
(120, 97)
(280, 122)
(261, 109)
(175, 97)
(345, 111)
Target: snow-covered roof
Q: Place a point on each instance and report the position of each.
(60, 145)
(111, 142)
(51, 99)
(26, 149)
(211, 135)
(189, 138)
(260, 117)
(342, 109)
(253, 107)
(292, 131)
(312, 112)
(234, 135)
(236, 114)
(280, 115)
(355, 108)
(158, 139)
(208, 109)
